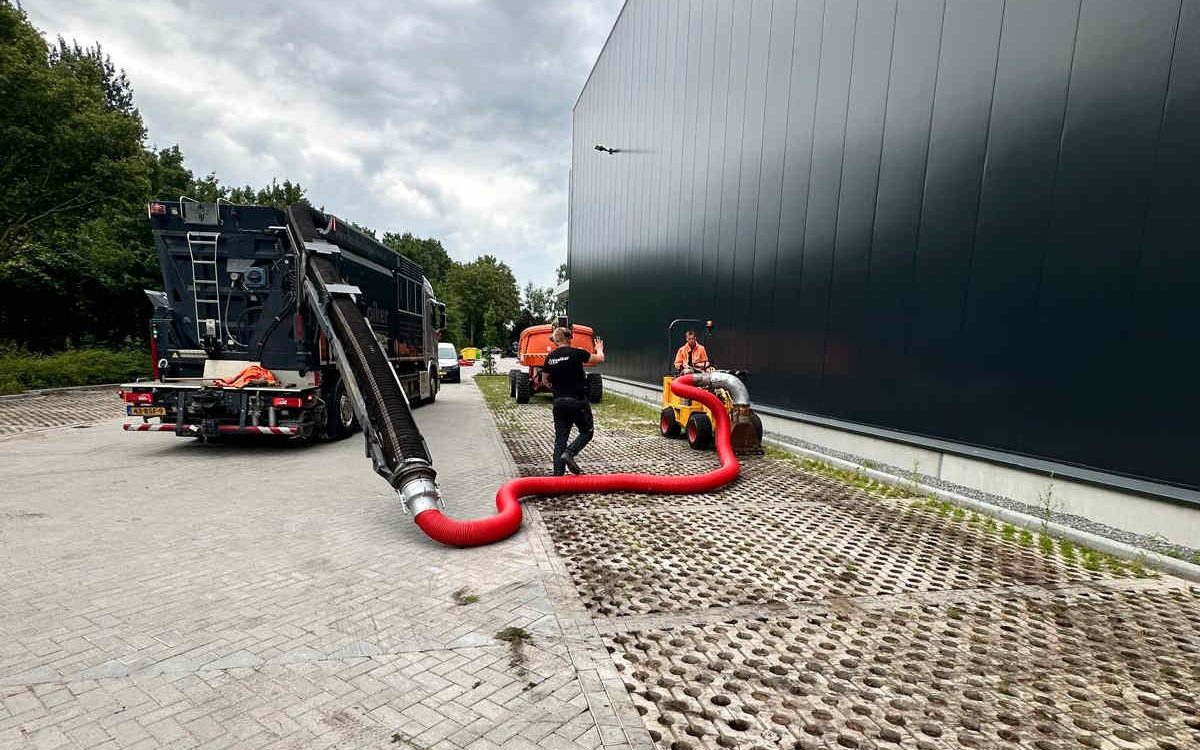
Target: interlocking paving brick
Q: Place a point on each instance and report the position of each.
(40, 411)
(162, 592)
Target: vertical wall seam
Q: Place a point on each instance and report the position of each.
(1162, 120)
(787, 125)
(837, 210)
(761, 148)
(916, 248)
(1062, 137)
(737, 200)
(813, 135)
(987, 143)
(724, 159)
(887, 97)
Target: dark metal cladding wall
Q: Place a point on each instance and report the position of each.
(972, 220)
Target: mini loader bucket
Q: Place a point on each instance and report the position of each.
(745, 430)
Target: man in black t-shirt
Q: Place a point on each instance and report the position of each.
(564, 371)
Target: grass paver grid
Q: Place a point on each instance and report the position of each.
(805, 609)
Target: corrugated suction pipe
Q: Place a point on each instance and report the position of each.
(478, 531)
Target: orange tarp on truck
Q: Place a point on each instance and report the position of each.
(252, 375)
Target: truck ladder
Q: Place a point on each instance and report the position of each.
(206, 288)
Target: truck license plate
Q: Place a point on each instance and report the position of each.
(147, 411)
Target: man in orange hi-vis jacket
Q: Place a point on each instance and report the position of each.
(692, 356)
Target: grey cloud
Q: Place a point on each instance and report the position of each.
(444, 118)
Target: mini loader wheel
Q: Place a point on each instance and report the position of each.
(595, 386)
(522, 388)
(668, 425)
(699, 431)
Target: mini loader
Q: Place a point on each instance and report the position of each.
(682, 416)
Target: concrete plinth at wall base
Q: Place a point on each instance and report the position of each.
(1106, 519)
(1152, 559)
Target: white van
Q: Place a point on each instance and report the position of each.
(448, 369)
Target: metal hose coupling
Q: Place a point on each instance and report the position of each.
(738, 393)
(420, 494)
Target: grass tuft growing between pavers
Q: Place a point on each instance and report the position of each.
(845, 476)
(495, 394)
(517, 639)
(621, 412)
(1070, 553)
(612, 411)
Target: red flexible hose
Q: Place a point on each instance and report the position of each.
(478, 531)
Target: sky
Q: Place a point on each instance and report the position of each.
(444, 118)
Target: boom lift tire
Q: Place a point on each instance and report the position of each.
(699, 431)
(595, 384)
(340, 421)
(512, 383)
(522, 388)
(668, 425)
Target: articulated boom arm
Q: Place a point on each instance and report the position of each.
(393, 442)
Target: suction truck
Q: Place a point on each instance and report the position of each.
(261, 313)
(292, 322)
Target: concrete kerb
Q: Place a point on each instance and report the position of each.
(1160, 562)
(1157, 560)
(602, 689)
(48, 391)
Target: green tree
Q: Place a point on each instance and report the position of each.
(427, 253)
(491, 326)
(92, 65)
(169, 178)
(537, 308)
(471, 288)
(364, 229)
(70, 146)
(278, 194)
(74, 175)
(208, 189)
(563, 273)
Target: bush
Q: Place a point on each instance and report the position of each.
(22, 371)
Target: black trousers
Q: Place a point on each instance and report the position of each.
(570, 412)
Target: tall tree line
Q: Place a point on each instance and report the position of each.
(481, 296)
(75, 177)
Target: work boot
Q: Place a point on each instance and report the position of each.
(569, 461)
